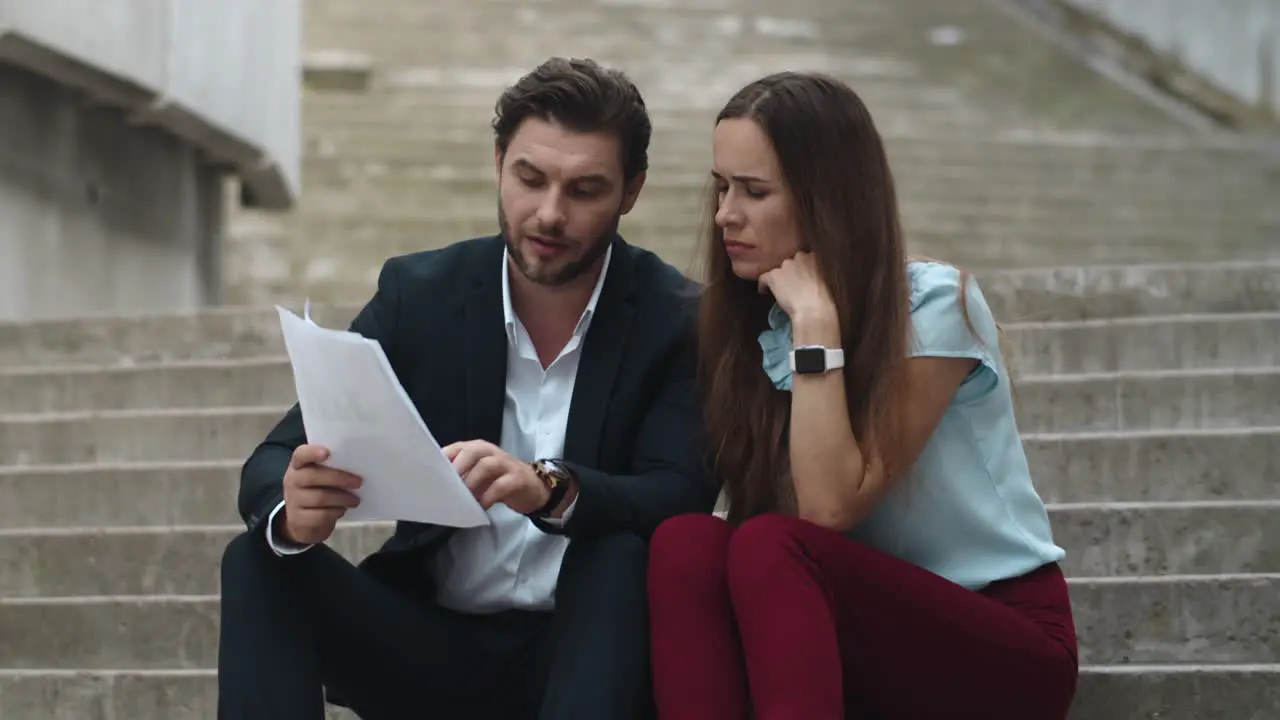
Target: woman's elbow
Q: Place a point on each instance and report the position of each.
(840, 508)
(832, 518)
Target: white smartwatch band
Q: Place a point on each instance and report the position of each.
(815, 359)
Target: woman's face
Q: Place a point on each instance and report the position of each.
(755, 210)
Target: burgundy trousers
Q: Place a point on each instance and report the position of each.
(780, 619)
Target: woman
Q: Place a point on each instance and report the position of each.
(884, 554)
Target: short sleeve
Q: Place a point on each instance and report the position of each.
(940, 327)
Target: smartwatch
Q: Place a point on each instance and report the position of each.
(815, 359)
(556, 477)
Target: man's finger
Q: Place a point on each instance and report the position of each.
(325, 477)
(306, 455)
(467, 460)
(326, 499)
(479, 479)
(499, 489)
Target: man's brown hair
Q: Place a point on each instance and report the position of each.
(583, 96)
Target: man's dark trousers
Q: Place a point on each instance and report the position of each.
(291, 624)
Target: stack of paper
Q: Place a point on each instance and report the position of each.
(353, 404)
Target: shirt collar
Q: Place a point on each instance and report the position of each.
(509, 313)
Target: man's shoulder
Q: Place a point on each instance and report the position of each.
(660, 283)
(444, 268)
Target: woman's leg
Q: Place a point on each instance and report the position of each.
(697, 659)
(832, 629)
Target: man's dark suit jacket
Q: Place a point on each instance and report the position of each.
(634, 429)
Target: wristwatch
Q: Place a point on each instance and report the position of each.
(557, 478)
(816, 359)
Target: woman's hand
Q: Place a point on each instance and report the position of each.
(802, 294)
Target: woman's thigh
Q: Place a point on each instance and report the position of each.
(914, 644)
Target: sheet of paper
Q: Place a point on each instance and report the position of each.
(353, 404)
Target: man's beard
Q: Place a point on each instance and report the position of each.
(574, 269)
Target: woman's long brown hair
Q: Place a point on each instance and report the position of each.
(835, 164)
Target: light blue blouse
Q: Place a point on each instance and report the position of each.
(967, 509)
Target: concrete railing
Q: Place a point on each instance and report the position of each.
(1215, 46)
(223, 75)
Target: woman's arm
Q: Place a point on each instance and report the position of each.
(832, 483)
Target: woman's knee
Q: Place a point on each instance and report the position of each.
(760, 545)
(689, 548)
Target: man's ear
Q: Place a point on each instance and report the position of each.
(632, 193)
(497, 164)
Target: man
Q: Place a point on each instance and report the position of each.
(554, 363)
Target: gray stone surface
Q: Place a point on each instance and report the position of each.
(1144, 693)
(112, 494)
(1132, 342)
(1135, 268)
(1155, 466)
(1138, 539)
(185, 493)
(1119, 621)
(1173, 400)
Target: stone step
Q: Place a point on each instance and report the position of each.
(980, 65)
(116, 694)
(1046, 294)
(391, 123)
(328, 249)
(1169, 400)
(1171, 538)
(136, 436)
(1205, 467)
(445, 187)
(1155, 620)
(1144, 343)
(1066, 159)
(1177, 619)
(1167, 466)
(1163, 692)
(1160, 400)
(1084, 292)
(939, 108)
(399, 155)
(117, 494)
(340, 18)
(1134, 539)
(1127, 343)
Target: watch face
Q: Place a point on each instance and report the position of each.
(810, 360)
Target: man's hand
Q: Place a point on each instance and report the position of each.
(314, 497)
(495, 477)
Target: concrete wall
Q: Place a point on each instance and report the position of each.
(119, 122)
(98, 216)
(224, 75)
(1233, 44)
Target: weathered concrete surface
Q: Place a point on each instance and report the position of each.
(67, 497)
(1136, 539)
(99, 216)
(1147, 400)
(1146, 383)
(960, 117)
(1136, 693)
(1219, 341)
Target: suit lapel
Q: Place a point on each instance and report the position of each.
(602, 354)
(486, 349)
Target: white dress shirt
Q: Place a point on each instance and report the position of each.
(511, 563)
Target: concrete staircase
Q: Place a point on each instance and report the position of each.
(1136, 267)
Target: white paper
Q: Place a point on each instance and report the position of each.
(353, 404)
